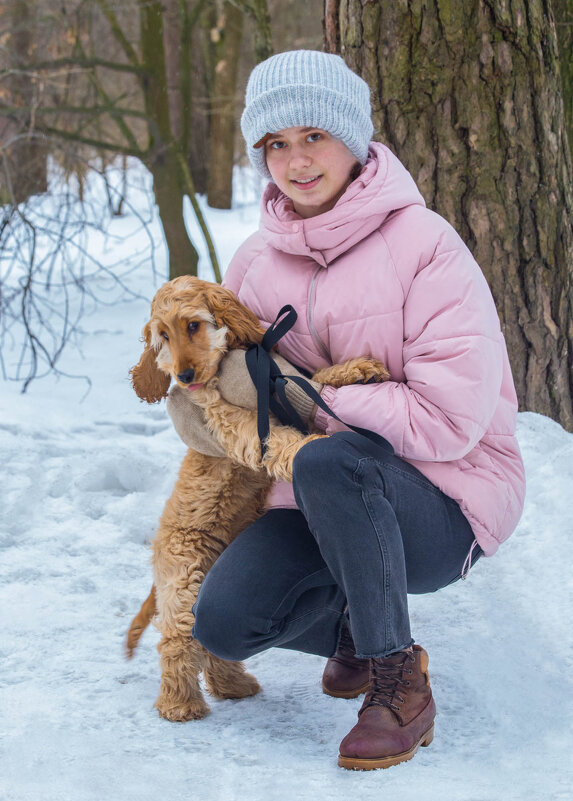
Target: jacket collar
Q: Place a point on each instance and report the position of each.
(383, 186)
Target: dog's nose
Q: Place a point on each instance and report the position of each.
(187, 376)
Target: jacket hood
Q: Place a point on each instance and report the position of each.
(383, 186)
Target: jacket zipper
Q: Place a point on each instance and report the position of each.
(317, 340)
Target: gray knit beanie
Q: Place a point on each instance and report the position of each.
(310, 88)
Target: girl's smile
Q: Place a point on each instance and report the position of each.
(309, 166)
(306, 183)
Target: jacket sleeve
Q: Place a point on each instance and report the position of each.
(452, 363)
(240, 262)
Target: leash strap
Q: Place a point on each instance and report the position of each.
(270, 384)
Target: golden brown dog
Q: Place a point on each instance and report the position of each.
(193, 324)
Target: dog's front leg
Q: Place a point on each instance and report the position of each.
(236, 430)
(180, 697)
(363, 369)
(283, 444)
(181, 657)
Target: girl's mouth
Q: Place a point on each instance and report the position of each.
(306, 183)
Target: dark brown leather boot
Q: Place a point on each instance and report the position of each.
(397, 715)
(345, 676)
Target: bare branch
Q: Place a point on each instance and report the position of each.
(83, 63)
(114, 111)
(120, 122)
(118, 33)
(97, 144)
(190, 188)
(51, 278)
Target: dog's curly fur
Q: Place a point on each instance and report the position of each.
(193, 324)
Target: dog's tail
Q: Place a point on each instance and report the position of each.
(140, 622)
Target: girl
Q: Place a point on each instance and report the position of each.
(345, 238)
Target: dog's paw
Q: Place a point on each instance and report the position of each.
(371, 370)
(246, 687)
(283, 444)
(242, 686)
(353, 371)
(179, 713)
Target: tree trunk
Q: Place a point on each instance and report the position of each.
(263, 35)
(168, 186)
(228, 32)
(183, 258)
(24, 170)
(468, 95)
(183, 42)
(564, 24)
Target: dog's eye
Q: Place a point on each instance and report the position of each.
(165, 335)
(192, 327)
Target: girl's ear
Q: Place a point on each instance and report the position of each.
(149, 382)
(243, 326)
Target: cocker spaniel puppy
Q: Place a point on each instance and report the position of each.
(193, 324)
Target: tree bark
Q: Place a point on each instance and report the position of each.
(183, 258)
(468, 95)
(168, 187)
(23, 172)
(228, 32)
(263, 35)
(564, 24)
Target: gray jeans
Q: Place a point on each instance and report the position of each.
(371, 529)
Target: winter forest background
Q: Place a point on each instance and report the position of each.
(121, 166)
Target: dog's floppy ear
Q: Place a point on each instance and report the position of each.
(243, 326)
(149, 382)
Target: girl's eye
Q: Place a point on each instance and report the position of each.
(165, 335)
(192, 327)
(276, 145)
(314, 136)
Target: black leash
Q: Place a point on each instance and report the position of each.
(270, 384)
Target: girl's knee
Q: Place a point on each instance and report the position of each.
(218, 627)
(319, 456)
(322, 459)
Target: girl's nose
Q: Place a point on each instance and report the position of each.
(299, 157)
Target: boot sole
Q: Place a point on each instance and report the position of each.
(347, 693)
(353, 763)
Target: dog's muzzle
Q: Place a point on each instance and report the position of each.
(187, 376)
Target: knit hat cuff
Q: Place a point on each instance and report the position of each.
(319, 108)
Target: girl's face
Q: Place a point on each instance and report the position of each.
(310, 167)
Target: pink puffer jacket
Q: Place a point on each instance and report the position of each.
(381, 275)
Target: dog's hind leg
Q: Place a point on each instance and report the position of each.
(226, 679)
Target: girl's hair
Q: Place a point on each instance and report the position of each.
(355, 171)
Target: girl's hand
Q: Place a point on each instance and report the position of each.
(236, 386)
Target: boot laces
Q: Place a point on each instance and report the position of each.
(386, 678)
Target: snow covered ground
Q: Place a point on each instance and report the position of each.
(84, 479)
